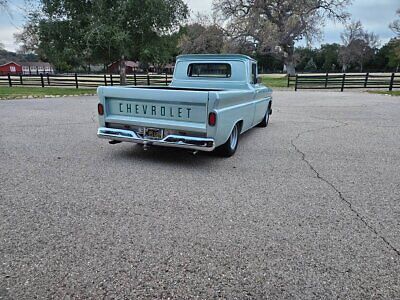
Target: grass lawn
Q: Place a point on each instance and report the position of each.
(37, 92)
(275, 81)
(392, 93)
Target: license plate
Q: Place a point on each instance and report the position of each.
(154, 133)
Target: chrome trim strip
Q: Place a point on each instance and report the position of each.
(161, 123)
(178, 141)
(151, 101)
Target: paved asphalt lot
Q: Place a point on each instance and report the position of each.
(308, 208)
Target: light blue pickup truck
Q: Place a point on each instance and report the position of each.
(212, 100)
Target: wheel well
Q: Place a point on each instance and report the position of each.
(240, 123)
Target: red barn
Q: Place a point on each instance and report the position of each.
(131, 67)
(11, 67)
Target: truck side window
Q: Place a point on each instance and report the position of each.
(253, 73)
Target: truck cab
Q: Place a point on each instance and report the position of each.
(211, 100)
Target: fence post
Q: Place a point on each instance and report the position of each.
(20, 79)
(288, 80)
(391, 82)
(76, 81)
(148, 79)
(48, 79)
(111, 79)
(9, 80)
(295, 84)
(134, 78)
(366, 80)
(166, 78)
(343, 80)
(326, 80)
(105, 79)
(41, 79)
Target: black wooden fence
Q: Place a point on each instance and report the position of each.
(345, 81)
(300, 81)
(82, 81)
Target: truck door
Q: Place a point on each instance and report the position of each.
(260, 103)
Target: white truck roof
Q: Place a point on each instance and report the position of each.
(214, 57)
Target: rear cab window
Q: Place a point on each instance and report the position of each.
(211, 70)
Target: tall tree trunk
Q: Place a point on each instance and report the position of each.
(290, 68)
(288, 59)
(122, 70)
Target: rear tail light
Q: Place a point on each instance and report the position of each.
(212, 119)
(100, 109)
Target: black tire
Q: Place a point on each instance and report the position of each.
(265, 120)
(229, 148)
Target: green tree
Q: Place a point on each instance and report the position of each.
(310, 66)
(161, 51)
(72, 33)
(393, 54)
(268, 63)
(302, 56)
(328, 57)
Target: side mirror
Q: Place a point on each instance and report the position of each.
(259, 79)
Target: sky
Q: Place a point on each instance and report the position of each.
(375, 15)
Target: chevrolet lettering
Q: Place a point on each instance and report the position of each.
(211, 100)
(154, 110)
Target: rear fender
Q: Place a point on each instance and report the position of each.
(225, 131)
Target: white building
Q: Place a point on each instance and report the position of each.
(32, 68)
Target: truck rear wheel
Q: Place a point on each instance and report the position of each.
(265, 120)
(229, 148)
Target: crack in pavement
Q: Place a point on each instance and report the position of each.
(338, 192)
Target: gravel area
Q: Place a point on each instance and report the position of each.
(308, 208)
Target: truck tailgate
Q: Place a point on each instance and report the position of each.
(160, 108)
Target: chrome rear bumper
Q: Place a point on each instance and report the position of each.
(177, 141)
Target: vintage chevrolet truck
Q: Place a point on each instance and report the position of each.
(211, 100)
